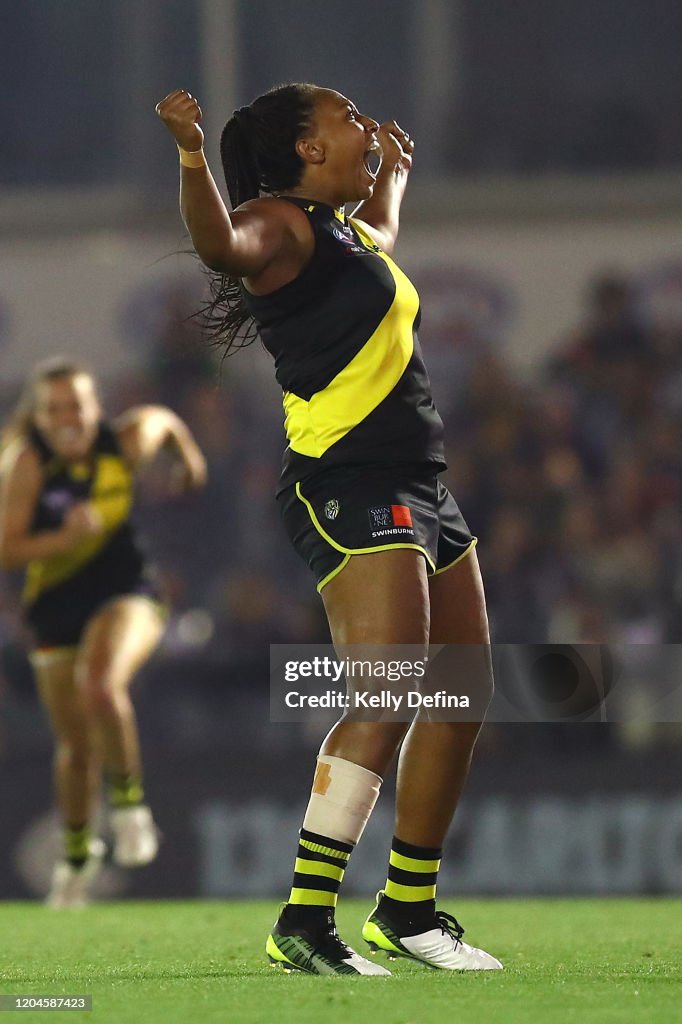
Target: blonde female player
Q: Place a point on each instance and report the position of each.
(65, 504)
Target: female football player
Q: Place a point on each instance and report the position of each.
(90, 603)
(359, 494)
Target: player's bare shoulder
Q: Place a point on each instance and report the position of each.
(283, 216)
(21, 460)
(286, 233)
(21, 480)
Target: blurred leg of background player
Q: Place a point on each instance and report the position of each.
(116, 643)
(85, 691)
(76, 776)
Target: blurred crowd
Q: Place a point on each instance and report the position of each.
(572, 482)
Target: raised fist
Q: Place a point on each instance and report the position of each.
(397, 147)
(181, 114)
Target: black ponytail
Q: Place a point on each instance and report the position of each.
(258, 154)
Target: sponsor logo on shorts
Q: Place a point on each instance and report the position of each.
(401, 515)
(390, 520)
(332, 508)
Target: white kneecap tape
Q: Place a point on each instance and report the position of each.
(343, 797)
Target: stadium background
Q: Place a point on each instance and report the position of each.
(543, 228)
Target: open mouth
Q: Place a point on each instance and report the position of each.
(372, 158)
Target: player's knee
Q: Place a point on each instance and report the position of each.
(73, 751)
(100, 698)
(459, 684)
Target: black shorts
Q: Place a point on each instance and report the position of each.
(354, 510)
(59, 616)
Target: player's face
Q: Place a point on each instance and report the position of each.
(347, 142)
(67, 414)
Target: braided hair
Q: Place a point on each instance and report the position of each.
(258, 154)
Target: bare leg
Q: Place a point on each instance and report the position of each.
(76, 769)
(435, 757)
(117, 642)
(380, 598)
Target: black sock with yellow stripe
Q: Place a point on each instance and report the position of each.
(125, 790)
(320, 866)
(409, 898)
(76, 844)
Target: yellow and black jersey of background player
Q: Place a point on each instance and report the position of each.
(343, 337)
(61, 592)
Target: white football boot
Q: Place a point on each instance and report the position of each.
(440, 947)
(136, 837)
(70, 888)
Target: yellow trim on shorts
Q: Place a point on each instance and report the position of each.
(353, 551)
(474, 542)
(335, 572)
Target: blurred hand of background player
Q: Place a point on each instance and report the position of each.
(81, 521)
(188, 475)
(397, 147)
(181, 114)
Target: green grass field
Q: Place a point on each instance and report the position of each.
(579, 960)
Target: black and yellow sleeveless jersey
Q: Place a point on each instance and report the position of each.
(109, 562)
(343, 337)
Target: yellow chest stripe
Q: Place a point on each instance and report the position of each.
(314, 426)
(112, 491)
(112, 497)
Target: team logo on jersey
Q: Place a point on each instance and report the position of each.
(388, 520)
(57, 501)
(331, 508)
(345, 235)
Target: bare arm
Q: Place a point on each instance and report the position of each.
(20, 487)
(381, 213)
(144, 430)
(242, 243)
